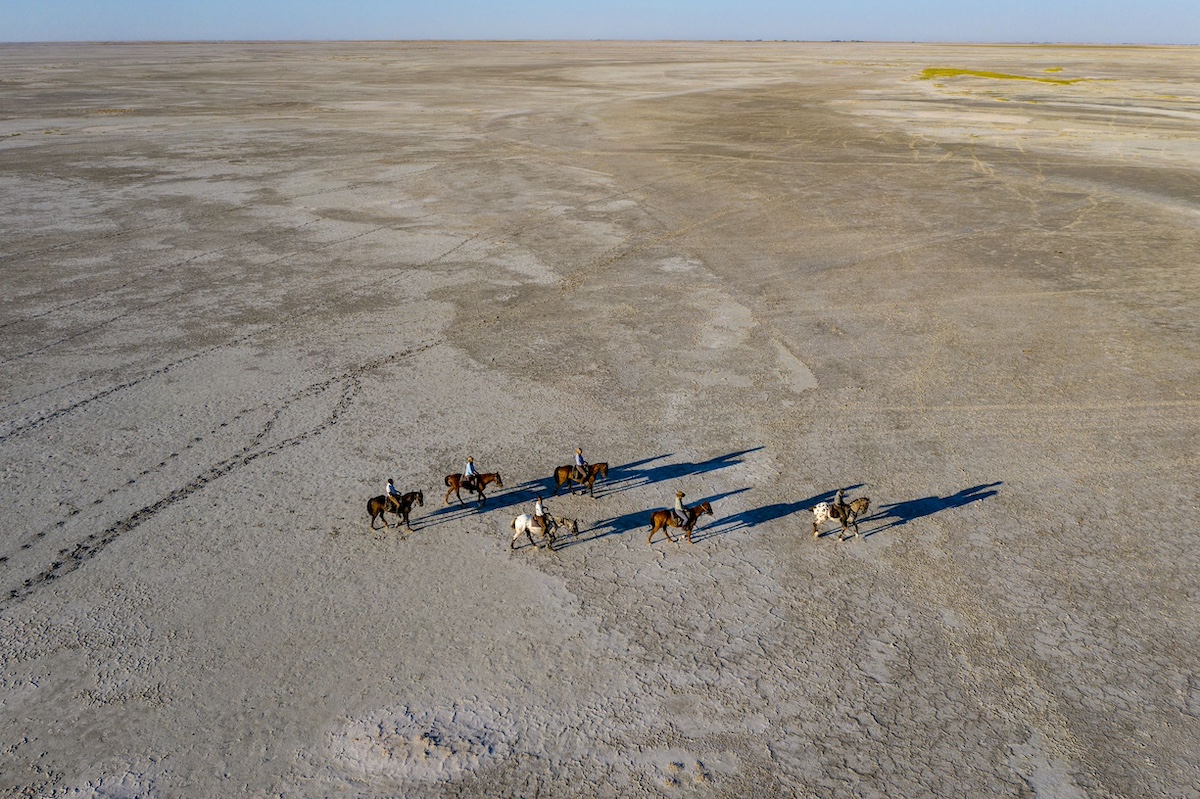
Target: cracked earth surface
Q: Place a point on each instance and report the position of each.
(247, 283)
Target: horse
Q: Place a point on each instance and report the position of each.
(847, 514)
(455, 481)
(662, 519)
(566, 474)
(525, 524)
(377, 506)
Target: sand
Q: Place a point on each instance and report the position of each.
(244, 284)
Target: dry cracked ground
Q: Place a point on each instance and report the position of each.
(246, 283)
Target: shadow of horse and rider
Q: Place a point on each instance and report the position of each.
(654, 470)
(625, 477)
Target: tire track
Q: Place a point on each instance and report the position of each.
(72, 558)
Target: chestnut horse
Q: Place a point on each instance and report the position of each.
(662, 519)
(566, 474)
(377, 506)
(455, 481)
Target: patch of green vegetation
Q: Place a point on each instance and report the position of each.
(1053, 69)
(945, 72)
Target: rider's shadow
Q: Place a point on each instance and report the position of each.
(901, 513)
(640, 520)
(522, 494)
(767, 513)
(636, 474)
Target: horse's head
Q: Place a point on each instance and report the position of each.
(704, 508)
(574, 526)
(602, 469)
(499, 482)
(421, 498)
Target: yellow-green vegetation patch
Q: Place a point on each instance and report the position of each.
(1053, 69)
(946, 72)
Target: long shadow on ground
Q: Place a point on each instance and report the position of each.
(767, 513)
(637, 474)
(640, 520)
(624, 477)
(901, 513)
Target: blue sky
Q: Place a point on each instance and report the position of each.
(1103, 21)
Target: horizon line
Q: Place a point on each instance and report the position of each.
(439, 40)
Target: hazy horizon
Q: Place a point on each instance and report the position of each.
(1163, 22)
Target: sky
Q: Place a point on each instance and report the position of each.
(1075, 21)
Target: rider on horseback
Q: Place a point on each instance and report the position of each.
(539, 513)
(680, 511)
(838, 509)
(580, 473)
(391, 492)
(470, 474)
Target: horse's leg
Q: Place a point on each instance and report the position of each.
(448, 490)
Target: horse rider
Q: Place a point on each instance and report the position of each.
(470, 474)
(839, 505)
(539, 512)
(680, 511)
(580, 473)
(392, 493)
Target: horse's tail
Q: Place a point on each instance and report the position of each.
(514, 524)
(448, 479)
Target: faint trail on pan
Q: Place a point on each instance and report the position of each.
(19, 429)
(499, 230)
(253, 239)
(140, 228)
(168, 298)
(1063, 407)
(72, 558)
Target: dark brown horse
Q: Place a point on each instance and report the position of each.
(481, 481)
(377, 506)
(566, 474)
(662, 519)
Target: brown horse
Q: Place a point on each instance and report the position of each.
(566, 474)
(662, 519)
(455, 481)
(377, 506)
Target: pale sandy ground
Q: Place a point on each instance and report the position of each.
(245, 284)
